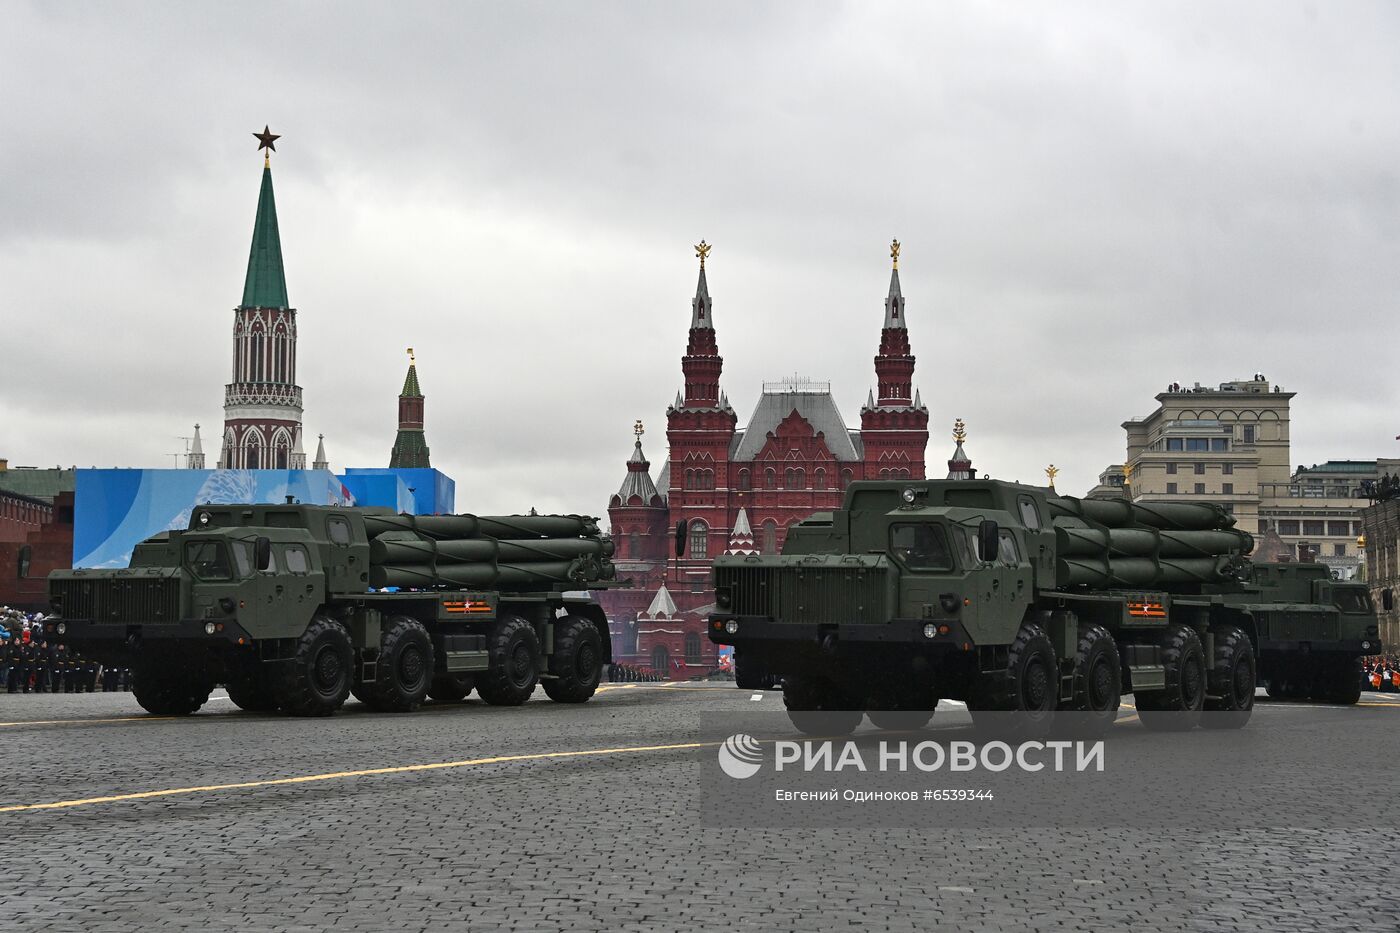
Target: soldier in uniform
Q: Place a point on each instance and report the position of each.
(13, 658)
(60, 667)
(25, 665)
(90, 675)
(70, 671)
(43, 673)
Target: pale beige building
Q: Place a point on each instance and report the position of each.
(1229, 444)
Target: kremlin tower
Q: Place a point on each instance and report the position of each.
(411, 446)
(262, 403)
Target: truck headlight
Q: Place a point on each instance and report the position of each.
(930, 630)
(908, 495)
(1365, 646)
(62, 628)
(732, 627)
(209, 628)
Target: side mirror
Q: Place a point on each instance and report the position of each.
(988, 540)
(262, 553)
(682, 532)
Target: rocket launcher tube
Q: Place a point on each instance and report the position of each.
(399, 547)
(1205, 543)
(511, 527)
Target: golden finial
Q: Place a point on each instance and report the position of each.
(1127, 472)
(702, 249)
(959, 431)
(894, 252)
(1361, 541)
(638, 430)
(411, 360)
(1052, 471)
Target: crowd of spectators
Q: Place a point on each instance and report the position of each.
(30, 663)
(621, 673)
(1381, 673)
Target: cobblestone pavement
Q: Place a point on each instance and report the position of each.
(615, 840)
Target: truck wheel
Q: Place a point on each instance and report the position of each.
(252, 691)
(1098, 681)
(1233, 680)
(817, 707)
(1177, 708)
(1028, 690)
(316, 680)
(577, 662)
(1344, 682)
(451, 688)
(404, 670)
(166, 688)
(514, 656)
(748, 675)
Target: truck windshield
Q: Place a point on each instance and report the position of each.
(1351, 600)
(208, 560)
(921, 547)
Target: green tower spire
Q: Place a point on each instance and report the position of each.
(266, 284)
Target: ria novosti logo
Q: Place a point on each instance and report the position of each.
(740, 756)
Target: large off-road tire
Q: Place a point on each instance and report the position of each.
(577, 661)
(316, 681)
(1177, 708)
(748, 675)
(1098, 682)
(1232, 680)
(404, 670)
(251, 690)
(514, 655)
(170, 688)
(818, 707)
(1020, 700)
(451, 688)
(1340, 682)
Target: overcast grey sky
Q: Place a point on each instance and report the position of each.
(1094, 200)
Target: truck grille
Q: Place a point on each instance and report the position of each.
(806, 594)
(119, 600)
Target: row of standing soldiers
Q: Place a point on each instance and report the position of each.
(46, 668)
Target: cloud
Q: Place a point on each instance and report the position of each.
(1094, 202)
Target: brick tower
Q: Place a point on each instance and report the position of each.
(262, 405)
(894, 424)
(410, 447)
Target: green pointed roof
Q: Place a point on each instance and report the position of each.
(410, 383)
(266, 284)
(410, 450)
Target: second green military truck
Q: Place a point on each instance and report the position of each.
(295, 607)
(1013, 599)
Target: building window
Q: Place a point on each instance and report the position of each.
(25, 556)
(1174, 443)
(1249, 434)
(1286, 527)
(1171, 489)
(795, 479)
(1200, 469)
(1200, 489)
(1387, 600)
(1198, 443)
(1219, 444)
(743, 479)
(1339, 529)
(634, 544)
(1228, 469)
(1339, 550)
(1227, 489)
(692, 648)
(660, 660)
(770, 537)
(1171, 468)
(820, 478)
(770, 479)
(699, 541)
(1312, 528)
(1263, 525)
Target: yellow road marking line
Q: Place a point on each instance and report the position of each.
(367, 772)
(66, 722)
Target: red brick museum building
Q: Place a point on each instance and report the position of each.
(741, 489)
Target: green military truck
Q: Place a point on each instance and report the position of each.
(294, 607)
(1014, 599)
(1301, 658)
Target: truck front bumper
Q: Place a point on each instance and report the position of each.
(948, 634)
(81, 632)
